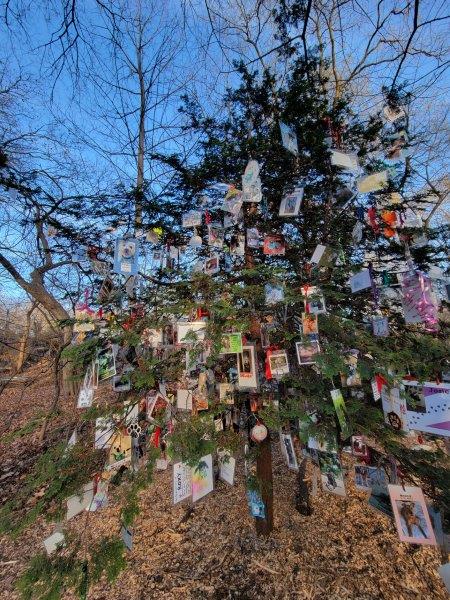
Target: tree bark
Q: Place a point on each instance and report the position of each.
(22, 352)
(264, 474)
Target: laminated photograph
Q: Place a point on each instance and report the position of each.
(231, 343)
(290, 204)
(314, 300)
(227, 465)
(432, 413)
(216, 235)
(190, 331)
(122, 382)
(310, 323)
(246, 366)
(226, 393)
(394, 408)
(252, 192)
(202, 478)
(119, 451)
(278, 363)
(339, 407)
(253, 240)
(289, 138)
(126, 534)
(184, 399)
(80, 502)
(368, 477)
(256, 504)
(54, 542)
(104, 432)
(345, 161)
(87, 391)
(251, 174)
(212, 264)
(359, 447)
(287, 448)
(106, 361)
(126, 256)
(322, 256)
(157, 406)
(274, 245)
(193, 218)
(182, 482)
(307, 351)
(373, 182)
(331, 473)
(273, 293)
(361, 281)
(380, 326)
(152, 338)
(237, 244)
(411, 515)
(233, 202)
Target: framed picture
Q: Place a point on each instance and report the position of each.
(310, 324)
(290, 204)
(306, 352)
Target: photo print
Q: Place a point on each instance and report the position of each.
(278, 362)
(289, 138)
(231, 343)
(274, 245)
(290, 204)
(253, 238)
(212, 264)
(394, 408)
(307, 351)
(411, 515)
(193, 218)
(126, 256)
(273, 293)
(287, 448)
(310, 323)
(331, 472)
(368, 477)
(246, 366)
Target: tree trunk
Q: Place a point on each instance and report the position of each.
(302, 503)
(264, 474)
(22, 354)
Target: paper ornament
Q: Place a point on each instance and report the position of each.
(411, 515)
(290, 204)
(289, 138)
(373, 182)
(126, 256)
(348, 162)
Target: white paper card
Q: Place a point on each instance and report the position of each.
(52, 542)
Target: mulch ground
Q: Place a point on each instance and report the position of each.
(344, 551)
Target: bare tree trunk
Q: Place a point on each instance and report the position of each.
(141, 138)
(22, 353)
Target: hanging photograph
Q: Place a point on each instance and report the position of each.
(212, 264)
(349, 162)
(310, 324)
(273, 293)
(126, 256)
(189, 332)
(314, 300)
(251, 173)
(290, 204)
(227, 465)
(380, 326)
(226, 393)
(411, 515)
(361, 281)
(253, 240)
(287, 448)
(231, 343)
(247, 377)
(289, 138)
(192, 218)
(216, 235)
(307, 351)
(106, 363)
(394, 408)
(274, 245)
(202, 478)
(182, 482)
(331, 473)
(278, 363)
(369, 477)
